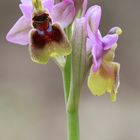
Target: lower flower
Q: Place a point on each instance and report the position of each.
(41, 26)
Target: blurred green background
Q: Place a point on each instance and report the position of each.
(31, 95)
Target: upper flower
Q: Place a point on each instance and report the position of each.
(62, 13)
(41, 26)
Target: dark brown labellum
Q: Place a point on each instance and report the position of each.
(41, 21)
(41, 39)
(44, 32)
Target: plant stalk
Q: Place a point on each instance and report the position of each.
(72, 110)
(73, 125)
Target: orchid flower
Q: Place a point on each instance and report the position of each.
(60, 14)
(69, 33)
(104, 73)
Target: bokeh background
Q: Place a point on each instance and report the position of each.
(31, 95)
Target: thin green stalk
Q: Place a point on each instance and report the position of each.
(72, 95)
(73, 125)
(66, 77)
(66, 72)
(72, 111)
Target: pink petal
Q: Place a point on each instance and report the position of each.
(48, 4)
(88, 45)
(93, 16)
(97, 53)
(26, 1)
(109, 40)
(63, 13)
(96, 61)
(84, 7)
(27, 10)
(19, 33)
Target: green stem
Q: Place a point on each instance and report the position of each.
(72, 111)
(66, 77)
(72, 96)
(73, 125)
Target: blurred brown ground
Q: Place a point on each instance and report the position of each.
(31, 95)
